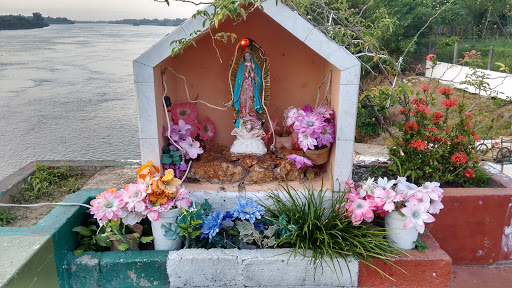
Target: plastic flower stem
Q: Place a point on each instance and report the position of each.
(125, 241)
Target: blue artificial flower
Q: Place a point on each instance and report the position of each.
(247, 209)
(259, 225)
(212, 224)
(228, 216)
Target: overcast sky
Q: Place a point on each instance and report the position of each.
(98, 9)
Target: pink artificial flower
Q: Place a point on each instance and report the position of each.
(107, 205)
(324, 111)
(435, 207)
(181, 200)
(388, 197)
(207, 129)
(299, 161)
(405, 188)
(292, 116)
(185, 111)
(194, 130)
(307, 108)
(191, 147)
(131, 217)
(361, 210)
(309, 124)
(306, 141)
(153, 212)
(134, 196)
(432, 190)
(417, 216)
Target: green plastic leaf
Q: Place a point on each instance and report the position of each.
(171, 231)
(82, 230)
(206, 205)
(123, 246)
(146, 239)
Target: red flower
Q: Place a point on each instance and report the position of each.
(430, 57)
(468, 124)
(422, 108)
(207, 130)
(460, 139)
(450, 102)
(425, 88)
(418, 144)
(467, 115)
(418, 101)
(445, 91)
(432, 129)
(438, 116)
(469, 173)
(410, 125)
(403, 111)
(475, 136)
(459, 158)
(185, 111)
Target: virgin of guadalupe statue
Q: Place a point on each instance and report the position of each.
(246, 96)
(250, 98)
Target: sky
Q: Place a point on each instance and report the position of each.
(98, 9)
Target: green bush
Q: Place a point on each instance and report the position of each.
(7, 217)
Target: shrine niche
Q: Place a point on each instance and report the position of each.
(288, 67)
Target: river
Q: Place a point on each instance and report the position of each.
(67, 93)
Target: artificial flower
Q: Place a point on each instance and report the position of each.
(185, 111)
(417, 216)
(367, 188)
(247, 209)
(306, 141)
(299, 160)
(360, 210)
(389, 197)
(435, 207)
(181, 200)
(146, 172)
(384, 183)
(291, 117)
(212, 224)
(207, 129)
(309, 124)
(107, 205)
(131, 217)
(134, 195)
(326, 137)
(191, 147)
(183, 130)
(324, 111)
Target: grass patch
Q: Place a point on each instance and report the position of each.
(502, 52)
(7, 217)
(49, 182)
(318, 223)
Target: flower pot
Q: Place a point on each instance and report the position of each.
(319, 157)
(399, 236)
(130, 237)
(166, 235)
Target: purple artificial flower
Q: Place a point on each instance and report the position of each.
(299, 161)
(173, 133)
(191, 147)
(292, 116)
(326, 137)
(307, 108)
(324, 111)
(183, 130)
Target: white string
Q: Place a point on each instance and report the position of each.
(169, 123)
(227, 105)
(42, 204)
(186, 172)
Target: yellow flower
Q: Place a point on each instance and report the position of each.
(146, 172)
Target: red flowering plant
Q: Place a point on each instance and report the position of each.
(184, 133)
(436, 145)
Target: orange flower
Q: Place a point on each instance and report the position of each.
(469, 173)
(459, 158)
(161, 188)
(146, 172)
(418, 144)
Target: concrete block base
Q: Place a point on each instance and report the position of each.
(252, 268)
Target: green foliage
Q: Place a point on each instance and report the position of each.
(420, 245)
(15, 22)
(48, 182)
(435, 146)
(380, 98)
(7, 217)
(190, 220)
(450, 42)
(318, 223)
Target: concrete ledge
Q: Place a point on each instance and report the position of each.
(430, 269)
(252, 268)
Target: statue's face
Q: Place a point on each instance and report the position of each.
(247, 126)
(247, 56)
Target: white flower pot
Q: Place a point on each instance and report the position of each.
(399, 236)
(166, 235)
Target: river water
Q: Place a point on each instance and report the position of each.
(67, 93)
